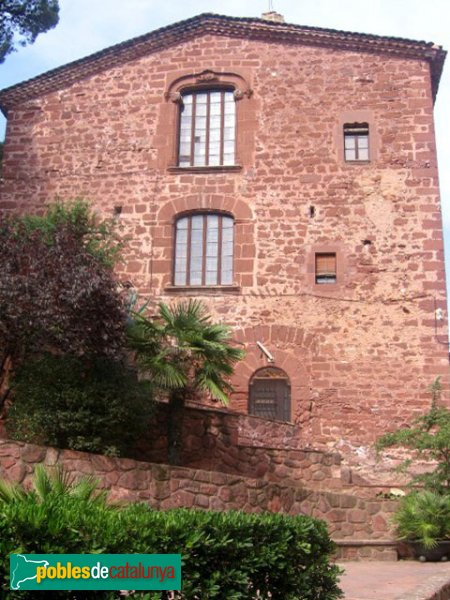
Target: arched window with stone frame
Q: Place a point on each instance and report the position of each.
(207, 128)
(211, 123)
(270, 394)
(203, 249)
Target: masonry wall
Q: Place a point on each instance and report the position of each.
(359, 354)
(229, 442)
(165, 487)
(237, 444)
(219, 440)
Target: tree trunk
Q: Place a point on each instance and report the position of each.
(5, 377)
(175, 428)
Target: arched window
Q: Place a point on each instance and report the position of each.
(270, 394)
(207, 132)
(204, 249)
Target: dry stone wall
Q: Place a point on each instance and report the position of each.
(165, 487)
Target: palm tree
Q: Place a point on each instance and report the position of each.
(184, 353)
(50, 484)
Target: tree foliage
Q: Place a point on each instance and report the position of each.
(97, 237)
(62, 334)
(428, 438)
(184, 353)
(21, 21)
(57, 290)
(56, 285)
(98, 407)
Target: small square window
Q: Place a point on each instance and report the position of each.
(356, 142)
(325, 268)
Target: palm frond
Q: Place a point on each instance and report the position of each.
(56, 481)
(192, 311)
(211, 381)
(143, 331)
(182, 348)
(425, 516)
(42, 483)
(86, 489)
(217, 332)
(164, 373)
(10, 492)
(188, 316)
(166, 314)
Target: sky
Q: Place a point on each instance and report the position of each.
(87, 26)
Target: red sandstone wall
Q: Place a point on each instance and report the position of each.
(233, 443)
(217, 440)
(167, 487)
(360, 355)
(229, 442)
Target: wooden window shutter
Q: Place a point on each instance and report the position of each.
(326, 267)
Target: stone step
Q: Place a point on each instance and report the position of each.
(362, 550)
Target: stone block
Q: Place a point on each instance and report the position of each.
(348, 502)
(357, 516)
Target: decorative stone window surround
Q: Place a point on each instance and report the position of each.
(356, 142)
(275, 384)
(225, 221)
(356, 116)
(209, 79)
(337, 248)
(244, 241)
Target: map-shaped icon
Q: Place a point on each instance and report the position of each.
(24, 570)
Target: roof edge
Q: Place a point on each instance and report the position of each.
(210, 23)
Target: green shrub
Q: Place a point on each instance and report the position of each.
(228, 555)
(428, 438)
(423, 516)
(99, 237)
(233, 554)
(57, 516)
(64, 402)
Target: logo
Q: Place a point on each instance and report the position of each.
(95, 572)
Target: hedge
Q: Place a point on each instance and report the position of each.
(225, 555)
(92, 405)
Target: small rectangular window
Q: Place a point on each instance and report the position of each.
(326, 268)
(356, 142)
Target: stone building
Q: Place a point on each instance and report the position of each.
(286, 176)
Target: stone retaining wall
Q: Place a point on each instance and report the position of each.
(220, 440)
(166, 487)
(217, 439)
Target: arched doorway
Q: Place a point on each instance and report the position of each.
(270, 394)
